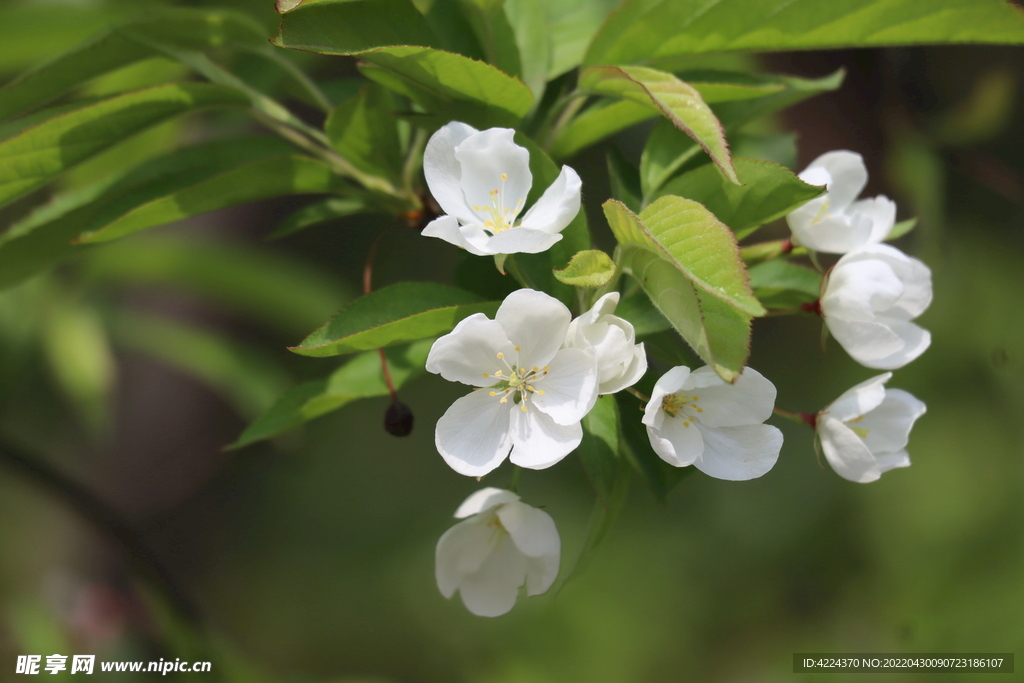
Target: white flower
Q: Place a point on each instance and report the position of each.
(481, 179)
(532, 394)
(871, 296)
(835, 223)
(696, 418)
(864, 432)
(620, 362)
(501, 544)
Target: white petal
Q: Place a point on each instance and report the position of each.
(917, 291)
(669, 383)
(675, 443)
(536, 323)
(473, 435)
(848, 173)
(448, 229)
(532, 530)
(469, 353)
(492, 590)
(846, 452)
(485, 157)
(857, 290)
(750, 400)
(630, 376)
(890, 461)
(539, 441)
(443, 171)
(835, 233)
(859, 400)
(541, 572)
(602, 307)
(881, 212)
(739, 453)
(484, 499)
(570, 387)
(865, 341)
(460, 552)
(888, 426)
(914, 341)
(521, 240)
(557, 206)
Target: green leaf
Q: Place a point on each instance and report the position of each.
(264, 179)
(649, 30)
(110, 50)
(902, 228)
(364, 130)
(597, 122)
(599, 449)
(39, 154)
(361, 377)
(246, 377)
(778, 148)
(668, 150)
(781, 284)
(320, 212)
(769, 191)
(678, 101)
(452, 30)
(530, 26)
(46, 235)
(659, 476)
(451, 85)
(719, 333)
(572, 25)
(494, 32)
(347, 27)
(693, 241)
(625, 180)
(284, 293)
(591, 268)
(396, 314)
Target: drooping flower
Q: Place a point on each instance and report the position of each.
(531, 393)
(501, 544)
(871, 296)
(696, 418)
(865, 431)
(620, 361)
(835, 223)
(481, 179)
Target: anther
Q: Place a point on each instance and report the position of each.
(501, 355)
(540, 391)
(517, 348)
(497, 373)
(504, 399)
(522, 407)
(504, 176)
(487, 374)
(494, 393)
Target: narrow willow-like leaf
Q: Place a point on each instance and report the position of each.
(530, 24)
(624, 178)
(719, 333)
(345, 27)
(274, 177)
(41, 153)
(781, 284)
(678, 101)
(599, 449)
(320, 212)
(396, 314)
(47, 234)
(110, 50)
(769, 191)
(688, 237)
(361, 377)
(649, 30)
(494, 33)
(592, 268)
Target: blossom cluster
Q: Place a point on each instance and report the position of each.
(535, 372)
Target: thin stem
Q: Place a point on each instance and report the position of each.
(566, 108)
(513, 485)
(642, 397)
(414, 161)
(512, 268)
(809, 419)
(367, 288)
(104, 518)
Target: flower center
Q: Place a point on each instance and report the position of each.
(822, 214)
(684, 407)
(501, 217)
(516, 383)
(859, 431)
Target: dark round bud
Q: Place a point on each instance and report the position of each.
(398, 419)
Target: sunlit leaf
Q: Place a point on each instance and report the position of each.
(591, 268)
(781, 284)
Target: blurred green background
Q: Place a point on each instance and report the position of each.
(311, 558)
